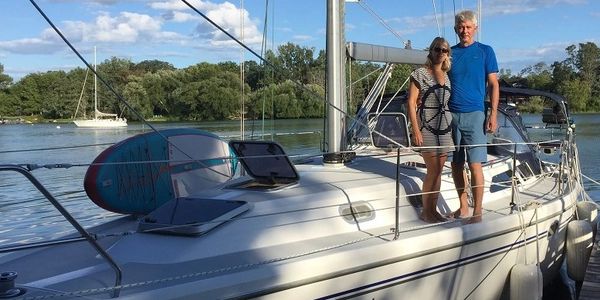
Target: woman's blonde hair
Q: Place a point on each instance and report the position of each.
(439, 42)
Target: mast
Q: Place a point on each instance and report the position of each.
(336, 79)
(95, 87)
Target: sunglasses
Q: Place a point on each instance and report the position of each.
(443, 50)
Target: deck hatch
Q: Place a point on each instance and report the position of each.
(265, 161)
(191, 216)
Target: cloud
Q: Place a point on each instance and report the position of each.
(303, 38)
(31, 46)
(101, 2)
(126, 27)
(519, 58)
(180, 17)
(177, 5)
(226, 15)
(497, 7)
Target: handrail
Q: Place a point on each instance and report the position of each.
(70, 219)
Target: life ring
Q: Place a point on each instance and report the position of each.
(579, 248)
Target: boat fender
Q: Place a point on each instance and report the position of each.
(588, 210)
(579, 247)
(526, 282)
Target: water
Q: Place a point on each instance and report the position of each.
(26, 216)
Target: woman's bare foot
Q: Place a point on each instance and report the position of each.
(473, 219)
(457, 214)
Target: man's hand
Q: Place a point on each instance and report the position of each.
(492, 122)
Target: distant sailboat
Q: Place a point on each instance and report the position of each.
(101, 119)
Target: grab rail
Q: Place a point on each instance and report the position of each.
(70, 219)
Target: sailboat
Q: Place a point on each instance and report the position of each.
(340, 225)
(101, 119)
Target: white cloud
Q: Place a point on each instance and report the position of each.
(179, 5)
(302, 37)
(31, 46)
(226, 15)
(518, 58)
(496, 7)
(127, 27)
(180, 17)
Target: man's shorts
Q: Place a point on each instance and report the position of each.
(469, 129)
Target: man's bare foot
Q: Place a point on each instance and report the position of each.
(428, 218)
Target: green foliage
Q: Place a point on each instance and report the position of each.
(5, 80)
(577, 92)
(295, 88)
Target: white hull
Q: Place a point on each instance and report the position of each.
(294, 243)
(101, 123)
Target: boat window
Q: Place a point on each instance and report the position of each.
(502, 141)
(501, 181)
(390, 130)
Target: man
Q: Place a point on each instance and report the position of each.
(473, 72)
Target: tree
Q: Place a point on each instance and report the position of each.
(294, 62)
(5, 80)
(577, 92)
(153, 66)
(137, 97)
(538, 76)
(116, 72)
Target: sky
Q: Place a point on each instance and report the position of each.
(522, 32)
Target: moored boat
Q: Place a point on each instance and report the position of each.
(341, 225)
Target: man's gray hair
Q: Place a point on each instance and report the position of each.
(465, 15)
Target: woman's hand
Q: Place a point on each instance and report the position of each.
(417, 138)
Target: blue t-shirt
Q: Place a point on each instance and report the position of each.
(470, 67)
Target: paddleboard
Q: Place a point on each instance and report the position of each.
(139, 174)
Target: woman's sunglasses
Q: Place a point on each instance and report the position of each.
(443, 50)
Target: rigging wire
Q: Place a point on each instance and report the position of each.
(436, 18)
(364, 5)
(278, 70)
(242, 77)
(111, 89)
(87, 71)
(263, 48)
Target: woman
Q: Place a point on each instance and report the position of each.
(429, 92)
